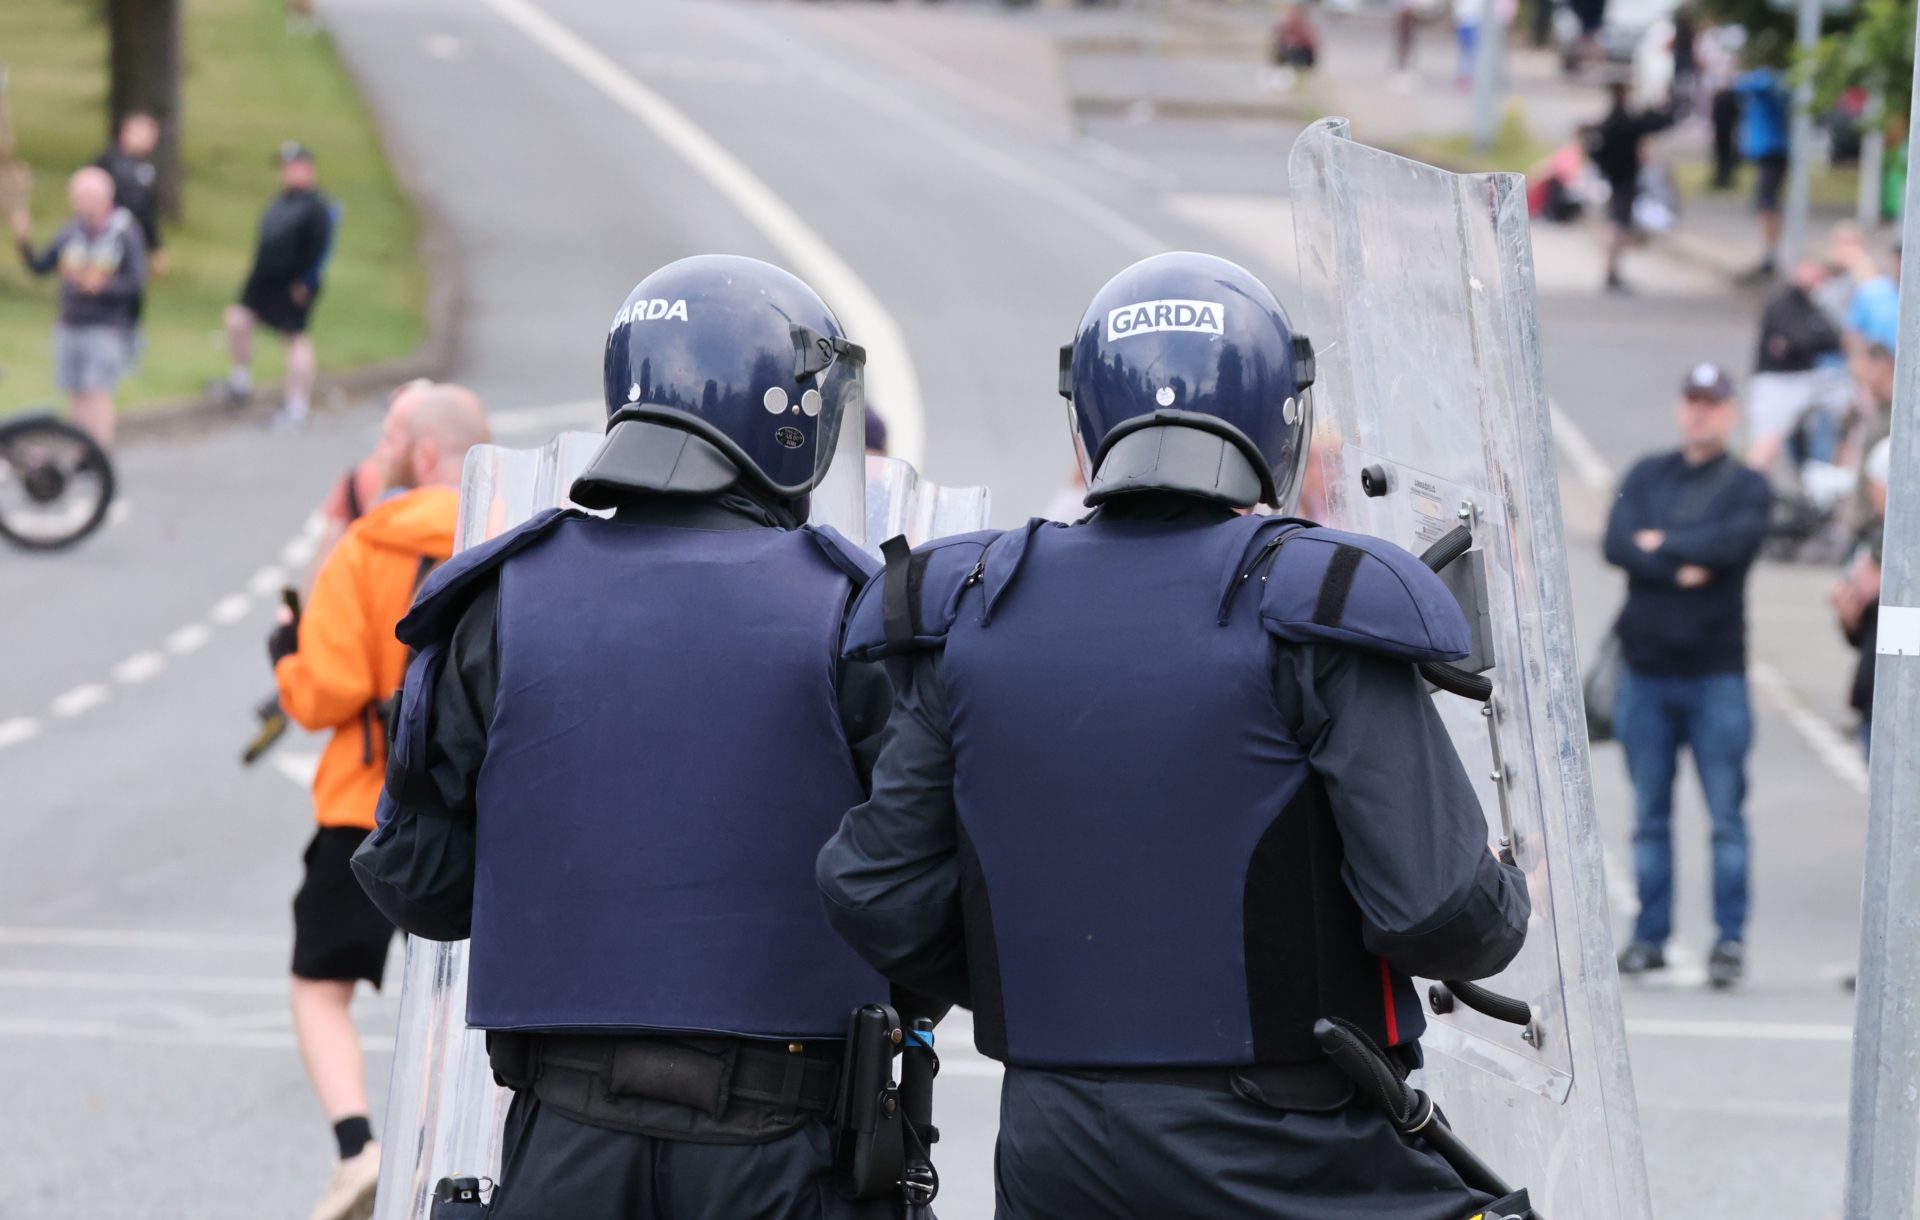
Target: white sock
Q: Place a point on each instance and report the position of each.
(296, 406)
(240, 377)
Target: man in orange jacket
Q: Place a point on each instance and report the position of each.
(335, 669)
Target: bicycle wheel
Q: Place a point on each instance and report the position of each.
(55, 483)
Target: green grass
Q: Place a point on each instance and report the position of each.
(1515, 150)
(248, 86)
(1827, 187)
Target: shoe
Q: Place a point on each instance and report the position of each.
(350, 1195)
(1617, 285)
(284, 420)
(1640, 957)
(227, 394)
(1727, 965)
(1762, 274)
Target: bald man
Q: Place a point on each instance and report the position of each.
(336, 668)
(102, 262)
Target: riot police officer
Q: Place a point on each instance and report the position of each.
(1163, 788)
(617, 751)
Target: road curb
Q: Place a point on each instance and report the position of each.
(442, 311)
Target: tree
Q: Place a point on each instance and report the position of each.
(143, 61)
(1874, 53)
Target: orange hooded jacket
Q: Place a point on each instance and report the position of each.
(348, 659)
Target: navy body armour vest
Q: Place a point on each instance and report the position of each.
(1150, 871)
(665, 760)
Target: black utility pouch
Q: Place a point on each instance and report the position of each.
(511, 1057)
(868, 1127)
(458, 1199)
(664, 1070)
(1515, 1206)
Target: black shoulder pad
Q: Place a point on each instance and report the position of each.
(859, 566)
(927, 583)
(443, 595)
(1329, 586)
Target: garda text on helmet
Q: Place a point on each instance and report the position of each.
(1145, 317)
(649, 311)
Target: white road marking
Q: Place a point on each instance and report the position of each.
(73, 980)
(891, 381)
(17, 730)
(1738, 1031)
(297, 552)
(119, 511)
(297, 765)
(139, 667)
(189, 639)
(134, 938)
(266, 582)
(230, 609)
(80, 699)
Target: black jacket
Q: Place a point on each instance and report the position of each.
(1715, 516)
(1794, 334)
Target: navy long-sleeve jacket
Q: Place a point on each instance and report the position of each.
(1714, 516)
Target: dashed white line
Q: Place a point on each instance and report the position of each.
(139, 667)
(891, 381)
(267, 581)
(188, 639)
(119, 511)
(80, 699)
(17, 730)
(1588, 466)
(230, 609)
(297, 552)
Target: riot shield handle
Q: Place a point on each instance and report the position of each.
(1487, 1003)
(1411, 1111)
(1451, 678)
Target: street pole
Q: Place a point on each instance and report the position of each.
(1873, 149)
(1793, 234)
(1883, 1122)
(1489, 40)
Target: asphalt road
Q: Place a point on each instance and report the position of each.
(925, 157)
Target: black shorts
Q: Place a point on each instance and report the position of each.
(338, 934)
(1620, 205)
(1766, 187)
(272, 302)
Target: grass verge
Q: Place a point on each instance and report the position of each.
(248, 86)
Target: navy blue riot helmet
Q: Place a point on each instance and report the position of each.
(1186, 375)
(719, 370)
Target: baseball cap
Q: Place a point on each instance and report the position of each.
(290, 151)
(1707, 380)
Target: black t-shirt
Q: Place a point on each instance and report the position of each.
(294, 233)
(135, 188)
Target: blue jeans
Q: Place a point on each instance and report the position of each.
(1710, 715)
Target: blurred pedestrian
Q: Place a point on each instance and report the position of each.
(1617, 149)
(1856, 595)
(1686, 62)
(1406, 27)
(1466, 33)
(290, 258)
(1873, 307)
(1765, 108)
(1717, 49)
(129, 159)
(1796, 336)
(1686, 528)
(336, 668)
(103, 270)
(1296, 44)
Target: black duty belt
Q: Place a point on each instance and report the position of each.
(702, 1073)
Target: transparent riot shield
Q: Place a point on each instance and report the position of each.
(444, 1112)
(1431, 413)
